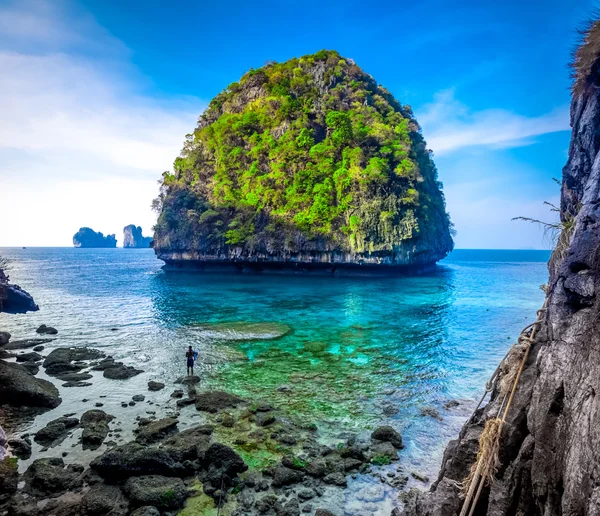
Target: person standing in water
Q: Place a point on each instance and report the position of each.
(190, 356)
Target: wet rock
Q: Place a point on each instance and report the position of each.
(157, 491)
(284, 476)
(222, 461)
(388, 434)
(213, 401)
(32, 356)
(4, 337)
(46, 330)
(121, 372)
(264, 419)
(188, 445)
(291, 508)
(9, 478)
(147, 510)
(418, 476)
(317, 468)
(155, 386)
(323, 512)
(105, 500)
(431, 412)
(451, 404)
(55, 431)
(156, 431)
(306, 494)
(21, 448)
(188, 380)
(177, 393)
(336, 479)
(61, 360)
(135, 459)
(76, 384)
(74, 377)
(186, 402)
(32, 367)
(106, 363)
(95, 428)
(24, 344)
(38, 348)
(50, 476)
(18, 387)
(138, 398)
(383, 451)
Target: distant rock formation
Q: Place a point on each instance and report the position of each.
(87, 237)
(133, 238)
(13, 299)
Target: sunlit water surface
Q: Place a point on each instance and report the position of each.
(358, 352)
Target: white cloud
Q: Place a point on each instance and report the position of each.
(450, 125)
(77, 128)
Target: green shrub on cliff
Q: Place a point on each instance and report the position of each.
(310, 148)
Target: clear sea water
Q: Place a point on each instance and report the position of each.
(358, 352)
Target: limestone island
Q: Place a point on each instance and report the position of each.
(133, 238)
(304, 165)
(87, 237)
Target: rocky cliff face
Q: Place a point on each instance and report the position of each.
(550, 454)
(13, 299)
(133, 238)
(87, 237)
(307, 162)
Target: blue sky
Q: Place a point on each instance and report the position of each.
(97, 96)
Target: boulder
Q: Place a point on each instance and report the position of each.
(121, 372)
(21, 448)
(191, 444)
(157, 491)
(156, 430)
(32, 367)
(95, 428)
(15, 300)
(323, 512)
(155, 386)
(60, 360)
(105, 500)
(213, 401)
(388, 434)
(26, 343)
(55, 431)
(264, 419)
(147, 510)
(221, 460)
(4, 337)
(49, 476)
(283, 476)
(135, 459)
(46, 330)
(29, 357)
(18, 387)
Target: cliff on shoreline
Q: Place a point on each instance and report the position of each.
(550, 446)
(304, 162)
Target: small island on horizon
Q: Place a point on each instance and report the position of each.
(134, 239)
(87, 237)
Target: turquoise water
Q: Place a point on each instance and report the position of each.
(356, 352)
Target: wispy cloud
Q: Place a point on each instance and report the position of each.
(450, 125)
(73, 106)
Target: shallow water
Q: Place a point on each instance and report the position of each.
(355, 352)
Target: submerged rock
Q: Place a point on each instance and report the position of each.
(21, 448)
(18, 387)
(24, 344)
(155, 386)
(242, 331)
(155, 431)
(121, 372)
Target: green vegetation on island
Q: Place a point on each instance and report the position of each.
(310, 155)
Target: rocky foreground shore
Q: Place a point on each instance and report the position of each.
(245, 457)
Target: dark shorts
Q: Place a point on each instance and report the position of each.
(190, 362)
